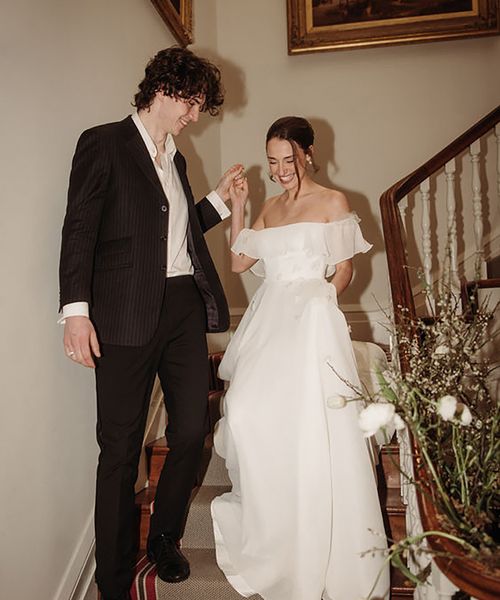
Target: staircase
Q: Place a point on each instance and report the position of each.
(446, 212)
(206, 581)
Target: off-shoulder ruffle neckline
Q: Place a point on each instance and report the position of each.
(352, 216)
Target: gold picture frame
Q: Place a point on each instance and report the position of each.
(319, 25)
(178, 16)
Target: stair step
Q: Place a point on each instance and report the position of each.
(216, 473)
(206, 582)
(199, 531)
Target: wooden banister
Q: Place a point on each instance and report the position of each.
(465, 573)
(391, 220)
(405, 185)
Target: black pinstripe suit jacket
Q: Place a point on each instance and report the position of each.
(114, 239)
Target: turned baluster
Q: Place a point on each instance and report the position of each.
(477, 209)
(426, 241)
(403, 205)
(451, 207)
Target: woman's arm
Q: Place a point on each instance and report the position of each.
(343, 275)
(338, 207)
(238, 193)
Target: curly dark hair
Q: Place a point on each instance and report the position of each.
(178, 72)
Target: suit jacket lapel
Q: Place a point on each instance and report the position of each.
(137, 148)
(180, 165)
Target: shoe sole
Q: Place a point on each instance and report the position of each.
(177, 580)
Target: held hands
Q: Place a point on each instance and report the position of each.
(234, 172)
(238, 192)
(80, 341)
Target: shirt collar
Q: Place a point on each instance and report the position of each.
(170, 147)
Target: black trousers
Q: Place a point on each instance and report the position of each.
(124, 380)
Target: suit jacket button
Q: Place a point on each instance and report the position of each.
(164, 208)
(164, 267)
(163, 238)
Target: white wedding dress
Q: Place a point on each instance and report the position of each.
(303, 507)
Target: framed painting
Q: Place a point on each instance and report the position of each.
(318, 25)
(178, 16)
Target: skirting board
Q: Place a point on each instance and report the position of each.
(81, 567)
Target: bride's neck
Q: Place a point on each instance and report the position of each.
(306, 187)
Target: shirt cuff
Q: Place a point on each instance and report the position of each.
(219, 205)
(74, 309)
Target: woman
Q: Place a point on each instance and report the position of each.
(303, 506)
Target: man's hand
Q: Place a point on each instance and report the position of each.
(80, 341)
(233, 173)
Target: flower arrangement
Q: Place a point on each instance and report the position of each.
(440, 389)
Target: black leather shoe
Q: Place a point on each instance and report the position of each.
(172, 566)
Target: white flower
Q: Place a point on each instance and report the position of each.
(466, 415)
(337, 401)
(446, 407)
(441, 350)
(375, 416)
(398, 422)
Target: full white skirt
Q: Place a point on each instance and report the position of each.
(303, 513)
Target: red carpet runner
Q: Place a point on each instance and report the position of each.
(144, 587)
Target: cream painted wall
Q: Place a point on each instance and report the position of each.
(64, 66)
(378, 113)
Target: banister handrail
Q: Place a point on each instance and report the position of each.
(391, 220)
(405, 185)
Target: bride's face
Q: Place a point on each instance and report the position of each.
(287, 163)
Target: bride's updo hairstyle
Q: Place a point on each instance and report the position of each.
(299, 132)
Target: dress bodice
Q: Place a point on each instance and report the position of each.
(308, 250)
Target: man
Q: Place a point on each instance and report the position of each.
(138, 293)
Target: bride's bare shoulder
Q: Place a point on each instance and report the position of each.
(336, 204)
